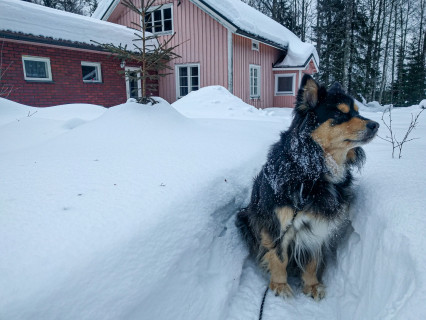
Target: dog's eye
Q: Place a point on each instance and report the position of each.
(338, 114)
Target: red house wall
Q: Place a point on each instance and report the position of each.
(67, 85)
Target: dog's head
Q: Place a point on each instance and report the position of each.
(336, 123)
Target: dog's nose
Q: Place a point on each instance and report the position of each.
(373, 125)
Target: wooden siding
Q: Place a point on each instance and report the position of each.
(287, 101)
(243, 57)
(202, 40)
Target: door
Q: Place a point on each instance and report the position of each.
(133, 85)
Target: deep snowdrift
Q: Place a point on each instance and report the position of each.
(127, 213)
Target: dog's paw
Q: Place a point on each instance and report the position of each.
(316, 291)
(281, 289)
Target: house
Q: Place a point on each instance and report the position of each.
(48, 57)
(227, 43)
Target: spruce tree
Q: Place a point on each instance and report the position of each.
(153, 59)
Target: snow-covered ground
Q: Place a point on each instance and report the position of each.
(128, 213)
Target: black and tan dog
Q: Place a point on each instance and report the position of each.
(300, 199)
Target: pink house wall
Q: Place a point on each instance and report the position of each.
(201, 40)
(204, 41)
(289, 100)
(243, 57)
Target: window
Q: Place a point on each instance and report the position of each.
(160, 20)
(255, 45)
(133, 84)
(187, 79)
(284, 84)
(254, 81)
(36, 68)
(91, 72)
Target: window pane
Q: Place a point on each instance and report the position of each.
(157, 15)
(148, 21)
(183, 81)
(167, 13)
(183, 71)
(133, 85)
(35, 69)
(167, 25)
(90, 73)
(183, 91)
(285, 84)
(194, 81)
(194, 71)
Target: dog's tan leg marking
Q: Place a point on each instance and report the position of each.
(285, 217)
(312, 287)
(276, 265)
(278, 270)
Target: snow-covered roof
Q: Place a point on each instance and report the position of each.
(20, 17)
(246, 21)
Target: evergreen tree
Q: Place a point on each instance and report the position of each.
(414, 84)
(153, 59)
(83, 7)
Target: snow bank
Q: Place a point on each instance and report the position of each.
(130, 216)
(216, 102)
(28, 18)
(372, 106)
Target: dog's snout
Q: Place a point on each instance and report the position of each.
(373, 125)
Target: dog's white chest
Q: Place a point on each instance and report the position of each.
(311, 231)
(337, 171)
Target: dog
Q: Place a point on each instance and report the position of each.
(300, 199)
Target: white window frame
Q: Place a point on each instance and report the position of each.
(285, 93)
(177, 66)
(255, 45)
(43, 59)
(138, 70)
(155, 8)
(98, 67)
(257, 67)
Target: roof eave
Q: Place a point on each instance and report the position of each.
(49, 41)
(299, 67)
(227, 23)
(109, 10)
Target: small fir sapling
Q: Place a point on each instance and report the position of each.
(153, 59)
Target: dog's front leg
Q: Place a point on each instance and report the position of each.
(277, 267)
(312, 287)
(276, 260)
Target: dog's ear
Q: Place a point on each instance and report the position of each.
(336, 87)
(310, 93)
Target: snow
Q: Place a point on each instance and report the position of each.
(128, 213)
(27, 18)
(217, 102)
(255, 23)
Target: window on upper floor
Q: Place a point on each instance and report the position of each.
(36, 68)
(285, 84)
(91, 72)
(160, 19)
(255, 45)
(187, 79)
(254, 81)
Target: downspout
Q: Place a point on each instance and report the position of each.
(230, 63)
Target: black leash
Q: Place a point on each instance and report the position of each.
(263, 302)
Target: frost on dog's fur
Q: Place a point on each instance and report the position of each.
(300, 199)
